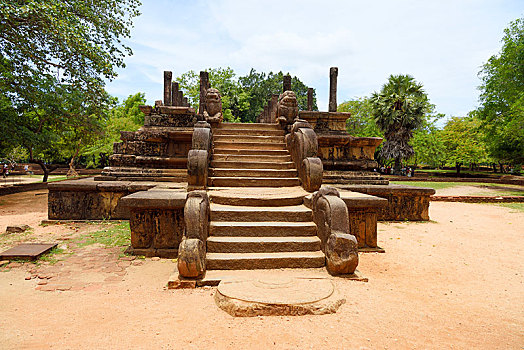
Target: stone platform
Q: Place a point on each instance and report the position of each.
(278, 296)
(404, 202)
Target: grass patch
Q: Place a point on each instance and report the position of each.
(53, 256)
(518, 207)
(117, 234)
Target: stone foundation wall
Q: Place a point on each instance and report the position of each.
(404, 202)
(156, 221)
(87, 199)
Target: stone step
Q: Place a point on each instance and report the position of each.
(257, 197)
(266, 229)
(249, 145)
(295, 213)
(253, 181)
(256, 132)
(250, 152)
(252, 126)
(233, 164)
(243, 261)
(248, 138)
(262, 244)
(268, 173)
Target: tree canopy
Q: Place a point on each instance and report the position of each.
(398, 109)
(54, 57)
(502, 97)
(243, 98)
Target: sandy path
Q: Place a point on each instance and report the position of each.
(456, 282)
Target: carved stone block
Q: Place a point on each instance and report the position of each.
(191, 258)
(341, 253)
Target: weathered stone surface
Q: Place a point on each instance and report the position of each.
(275, 260)
(312, 179)
(333, 73)
(197, 169)
(191, 258)
(404, 202)
(196, 215)
(302, 144)
(331, 217)
(17, 228)
(167, 87)
(330, 213)
(145, 109)
(175, 117)
(310, 99)
(202, 136)
(278, 296)
(341, 253)
(213, 108)
(158, 199)
(156, 228)
(287, 108)
(87, 199)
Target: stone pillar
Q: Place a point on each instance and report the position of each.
(167, 87)
(286, 85)
(273, 110)
(174, 92)
(265, 114)
(204, 83)
(179, 98)
(333, 73)
(310, 99)
(185, 102)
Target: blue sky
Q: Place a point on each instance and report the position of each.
(442, 43)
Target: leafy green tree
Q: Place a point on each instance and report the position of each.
(427, 143)
(234, 100)
(260, 87)
(463, 142)
(243, 98)
(502, 98)
(398, 109)
(125, 116)
(52, 53)
(361, 123)
(75, 41)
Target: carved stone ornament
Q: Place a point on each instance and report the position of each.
(287, 108)
(330, 214)
(213, 106)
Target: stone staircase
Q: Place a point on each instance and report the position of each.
(258, 220)
(251, 155)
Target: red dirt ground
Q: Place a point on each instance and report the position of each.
(453, 283)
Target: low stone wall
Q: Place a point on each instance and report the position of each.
(157, 221)
(87, 199)
(478, 199)
(404, 202)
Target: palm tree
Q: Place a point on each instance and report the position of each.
(398, 109)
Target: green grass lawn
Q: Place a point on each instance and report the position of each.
(502, 189)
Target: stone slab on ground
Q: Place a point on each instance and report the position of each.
(27, 251)
(278, 296)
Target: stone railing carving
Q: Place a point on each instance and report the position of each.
(198, 157)
(302, 144)
(287, 109)
(330, 214)
(192, 249)
(213, 106)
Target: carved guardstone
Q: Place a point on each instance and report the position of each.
(331, 217)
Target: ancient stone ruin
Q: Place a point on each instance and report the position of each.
(221, 196)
